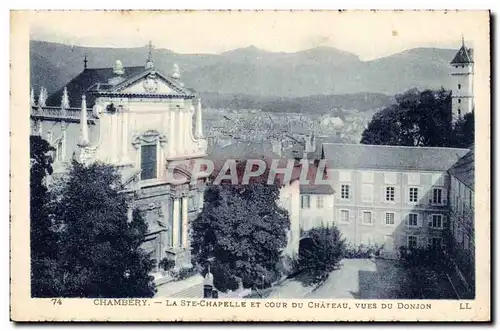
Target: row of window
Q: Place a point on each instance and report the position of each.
(305, 201)
(390, 194)
(436, 221)
(391, 178)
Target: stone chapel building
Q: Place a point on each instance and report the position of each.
(138, 120)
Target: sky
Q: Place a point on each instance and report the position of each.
(368, 34)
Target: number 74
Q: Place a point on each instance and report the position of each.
(56, 301)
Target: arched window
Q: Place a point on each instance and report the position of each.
(459, 112)
(459, 86)
(459, 100)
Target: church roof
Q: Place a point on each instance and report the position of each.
(463, 56)
(86, 79)
(101, 80)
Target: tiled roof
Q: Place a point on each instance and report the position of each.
(358, 156)
(316, 189)
(463, 56)
(463, 170)
(86, 79)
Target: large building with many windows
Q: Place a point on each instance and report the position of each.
(391, 195)
(138, 120)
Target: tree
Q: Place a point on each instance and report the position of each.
(464, 131)
(100, 254)
(416, 119)
(320, 252)
(43, 240)
(244, 231)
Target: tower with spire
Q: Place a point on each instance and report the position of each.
(462, 82)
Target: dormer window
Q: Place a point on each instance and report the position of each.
(149, 161)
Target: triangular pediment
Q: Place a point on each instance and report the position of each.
(151, 82)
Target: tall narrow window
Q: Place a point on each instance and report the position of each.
(319, 202)
(389, 193)
(305, 202)
(367, 217)
(389, 218)
(344, 216)
(459, 86)
(412, 242)
(437, 222)
(148, 162)
(344, 192)
(437, 196)
(413, 194)
(413, 219)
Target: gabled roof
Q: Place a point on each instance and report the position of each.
(463, 170)
(358, 156)
(463, 56)
(98, 80)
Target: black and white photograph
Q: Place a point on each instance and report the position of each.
(196, 158)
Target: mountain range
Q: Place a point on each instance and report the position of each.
(251, 71)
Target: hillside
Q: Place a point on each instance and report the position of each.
(251, 71)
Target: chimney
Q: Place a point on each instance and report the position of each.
(84, 130)
(199, 125)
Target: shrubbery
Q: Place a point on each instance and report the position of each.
(320, 252)
(167, 264)
(428, 257)
(362, 251)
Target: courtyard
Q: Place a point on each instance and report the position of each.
(370, 279)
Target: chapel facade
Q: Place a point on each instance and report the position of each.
(138, 120)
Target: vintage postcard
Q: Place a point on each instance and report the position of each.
(250, 166)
